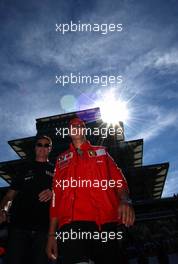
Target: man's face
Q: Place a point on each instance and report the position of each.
(42, 148)
(77, 131)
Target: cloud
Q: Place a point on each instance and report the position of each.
(156, 121)
(171, 185)
(142, 72)
(168, 59)
(32, 53)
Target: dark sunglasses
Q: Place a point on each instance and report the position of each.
(44, 146)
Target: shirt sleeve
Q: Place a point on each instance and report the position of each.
(16, 182)
(116, 174)
(19, 175)
(55, 193)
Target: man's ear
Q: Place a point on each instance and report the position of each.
(50, 149)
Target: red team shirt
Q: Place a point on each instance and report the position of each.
(85, 186)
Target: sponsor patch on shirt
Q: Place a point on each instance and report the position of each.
(96, 153)
(49, 173)
(28, 178)
(64, 160)
(99, 161)
(29, 175)
(66, 156)
(92, 153)
(100, 152)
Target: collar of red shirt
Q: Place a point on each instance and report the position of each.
(86, 145)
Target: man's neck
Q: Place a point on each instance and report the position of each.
(78, 142)
(41, 159)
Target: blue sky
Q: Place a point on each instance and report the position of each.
(145, 53)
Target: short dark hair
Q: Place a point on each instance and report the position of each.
(44, 137)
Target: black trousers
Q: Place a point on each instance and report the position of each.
(77, 249)
(26, 246)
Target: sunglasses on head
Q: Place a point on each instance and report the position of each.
(78, 125)
(44, 146)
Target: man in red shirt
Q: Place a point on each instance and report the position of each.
(90, 198)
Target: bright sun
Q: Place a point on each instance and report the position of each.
(113, 110)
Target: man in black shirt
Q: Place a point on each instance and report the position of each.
(30, 192)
